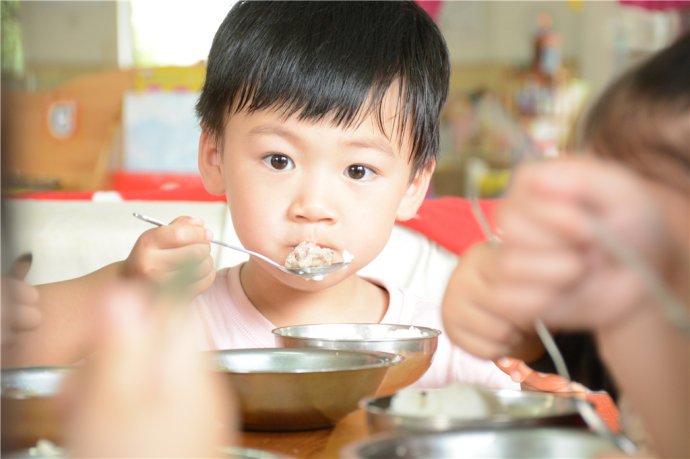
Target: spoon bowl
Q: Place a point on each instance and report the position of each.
(308, 273)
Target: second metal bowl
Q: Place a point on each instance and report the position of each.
(416, 344)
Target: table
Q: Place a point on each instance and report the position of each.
(322, 443)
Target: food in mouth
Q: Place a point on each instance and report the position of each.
(309, 255)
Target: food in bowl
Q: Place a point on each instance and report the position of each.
(300, 389)
(416, 344)
(462, 406)
(456, 400)
(44, 449)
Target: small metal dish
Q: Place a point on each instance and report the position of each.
(240, 452)
(510, 408)
(515, 443)
(416, 344)
(228, 452)
(299, 389)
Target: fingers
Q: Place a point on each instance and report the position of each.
(20, 311)
(472, 320)
(542, 222)
(576, 178)
(20, 267)
(25, 317)
(181, 232)
(180, 250)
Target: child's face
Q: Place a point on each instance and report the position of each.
(288, 181)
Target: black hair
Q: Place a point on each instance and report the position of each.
(644, 116)
(330, 58)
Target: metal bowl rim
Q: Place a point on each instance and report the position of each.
(37, 369)
(391, 360)
(352, 449)
(366, 405)
(433, 333)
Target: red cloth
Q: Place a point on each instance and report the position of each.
(606, 409)
(133, 186)
(432, 7)
(178, 194)
(657, 5)
(449, 222)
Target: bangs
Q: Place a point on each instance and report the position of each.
(346, 100)
(307, 59)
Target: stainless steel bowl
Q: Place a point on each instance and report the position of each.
(417, 350)
(29, 405)
(509, 408)
(513, 443)
(300, 389)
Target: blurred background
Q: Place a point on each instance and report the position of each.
(99, 95)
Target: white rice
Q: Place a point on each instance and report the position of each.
(456, 400)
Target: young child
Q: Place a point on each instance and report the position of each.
(319, 123)
(554, 264)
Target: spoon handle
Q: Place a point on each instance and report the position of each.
(157, 222)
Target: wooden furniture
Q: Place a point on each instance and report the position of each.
(322, 443)
(77, 156)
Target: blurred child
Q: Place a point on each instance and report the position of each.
(319, 123)
(555, 264)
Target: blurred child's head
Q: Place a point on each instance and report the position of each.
(333, 60)
(643, 118)
(320, 122)
(643, 121)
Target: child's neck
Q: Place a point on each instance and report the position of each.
(351, 300)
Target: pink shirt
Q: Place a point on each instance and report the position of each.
(230, 321)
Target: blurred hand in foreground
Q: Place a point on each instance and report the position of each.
(147, 392)
(20, 310)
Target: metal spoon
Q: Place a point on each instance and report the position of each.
(310, 273)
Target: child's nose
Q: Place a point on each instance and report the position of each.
(312, 203)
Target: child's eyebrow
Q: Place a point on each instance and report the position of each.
(273, 130)
(368, 142)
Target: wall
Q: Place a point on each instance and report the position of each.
(63, 39)
(600, 38)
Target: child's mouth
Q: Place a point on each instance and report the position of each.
(309, 254)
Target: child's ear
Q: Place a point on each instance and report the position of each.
(210, 164)
(415, 194)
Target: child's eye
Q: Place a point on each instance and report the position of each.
(359, 172)
(278, 162)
